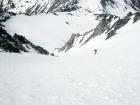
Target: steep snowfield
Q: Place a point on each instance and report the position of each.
(49, 30)
(92, 5)
(115, 7)
(118, 9)
(80, 77)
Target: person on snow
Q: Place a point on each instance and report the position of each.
(95, 51)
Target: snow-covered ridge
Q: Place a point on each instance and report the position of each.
(114, 7)
(135, 4)
(51, 30)
(109, 25)
(29, 7)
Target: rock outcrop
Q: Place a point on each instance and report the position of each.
(18, 44)
(109, 24)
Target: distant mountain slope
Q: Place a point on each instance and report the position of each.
(29, 7)
(135, 4)
(109, 25)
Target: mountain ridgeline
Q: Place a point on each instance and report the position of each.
(30, 7)
(135, 4)
(105, 26)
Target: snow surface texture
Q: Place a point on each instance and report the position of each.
(111, 77)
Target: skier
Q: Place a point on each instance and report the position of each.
(95, 51)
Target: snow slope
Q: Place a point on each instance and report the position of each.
(119, 8)
(92, 5)
(80, 77)
(49, 30)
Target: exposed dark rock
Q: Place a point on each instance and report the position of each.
(69, 44)
(135, 4)
(71, 6)
(111, 31)
(7, 6)
(72, 40)
(105, 26)
(104, 3)
(57, 5)
(5, 16)
(10, 5)
(7, 43)
(17, 43)
(1, 6)
(137, 17)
